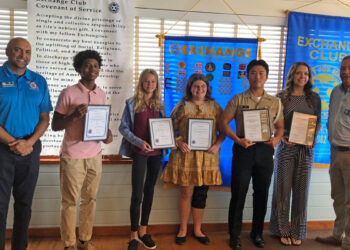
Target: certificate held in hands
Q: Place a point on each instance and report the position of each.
(96, 123)
(302, 129)
(200, 133)
(161, 132)
(256, 124)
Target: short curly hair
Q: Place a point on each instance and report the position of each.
(79, 58)
(196, 77)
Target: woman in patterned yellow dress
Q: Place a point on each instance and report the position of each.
(193, 170)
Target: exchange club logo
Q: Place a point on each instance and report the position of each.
(174, 49)
(114, 7)
(325, 78)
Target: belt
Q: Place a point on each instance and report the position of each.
(24, 137)
(341, 148)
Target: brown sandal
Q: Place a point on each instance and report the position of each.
(296, 242)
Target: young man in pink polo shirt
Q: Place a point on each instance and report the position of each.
(80, 161)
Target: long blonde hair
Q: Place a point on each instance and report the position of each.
(156, 102)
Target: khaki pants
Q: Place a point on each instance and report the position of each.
(78, 175)
(339, 172)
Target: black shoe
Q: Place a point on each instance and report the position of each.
(204, 239)
(180, 240)
(133, 245)
(147, 241)
(235, 243)
(257, 240)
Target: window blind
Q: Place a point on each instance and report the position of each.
(13, 23)
(150, 55)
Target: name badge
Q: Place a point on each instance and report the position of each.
(33, 86)
(8, 84)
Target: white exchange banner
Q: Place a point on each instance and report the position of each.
(59, 29)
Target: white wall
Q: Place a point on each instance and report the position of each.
(114, 200)
(16, 4)
(272, 8)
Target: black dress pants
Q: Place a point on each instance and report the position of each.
(254, 162)
(19, 174)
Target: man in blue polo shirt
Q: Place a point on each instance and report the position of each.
(24, 116)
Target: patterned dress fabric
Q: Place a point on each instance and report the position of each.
(292, 171)
(196, 167)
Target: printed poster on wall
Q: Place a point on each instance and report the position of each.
(222, 60)
(322, 42)
(57, 30)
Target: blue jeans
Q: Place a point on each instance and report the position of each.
(19, 174)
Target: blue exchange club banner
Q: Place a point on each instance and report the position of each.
(322, 42)
(222, 60)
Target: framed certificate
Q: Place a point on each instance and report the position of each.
(161, 132)
(257, 125)
(96, 123)
(200, 133)
(302, 129)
